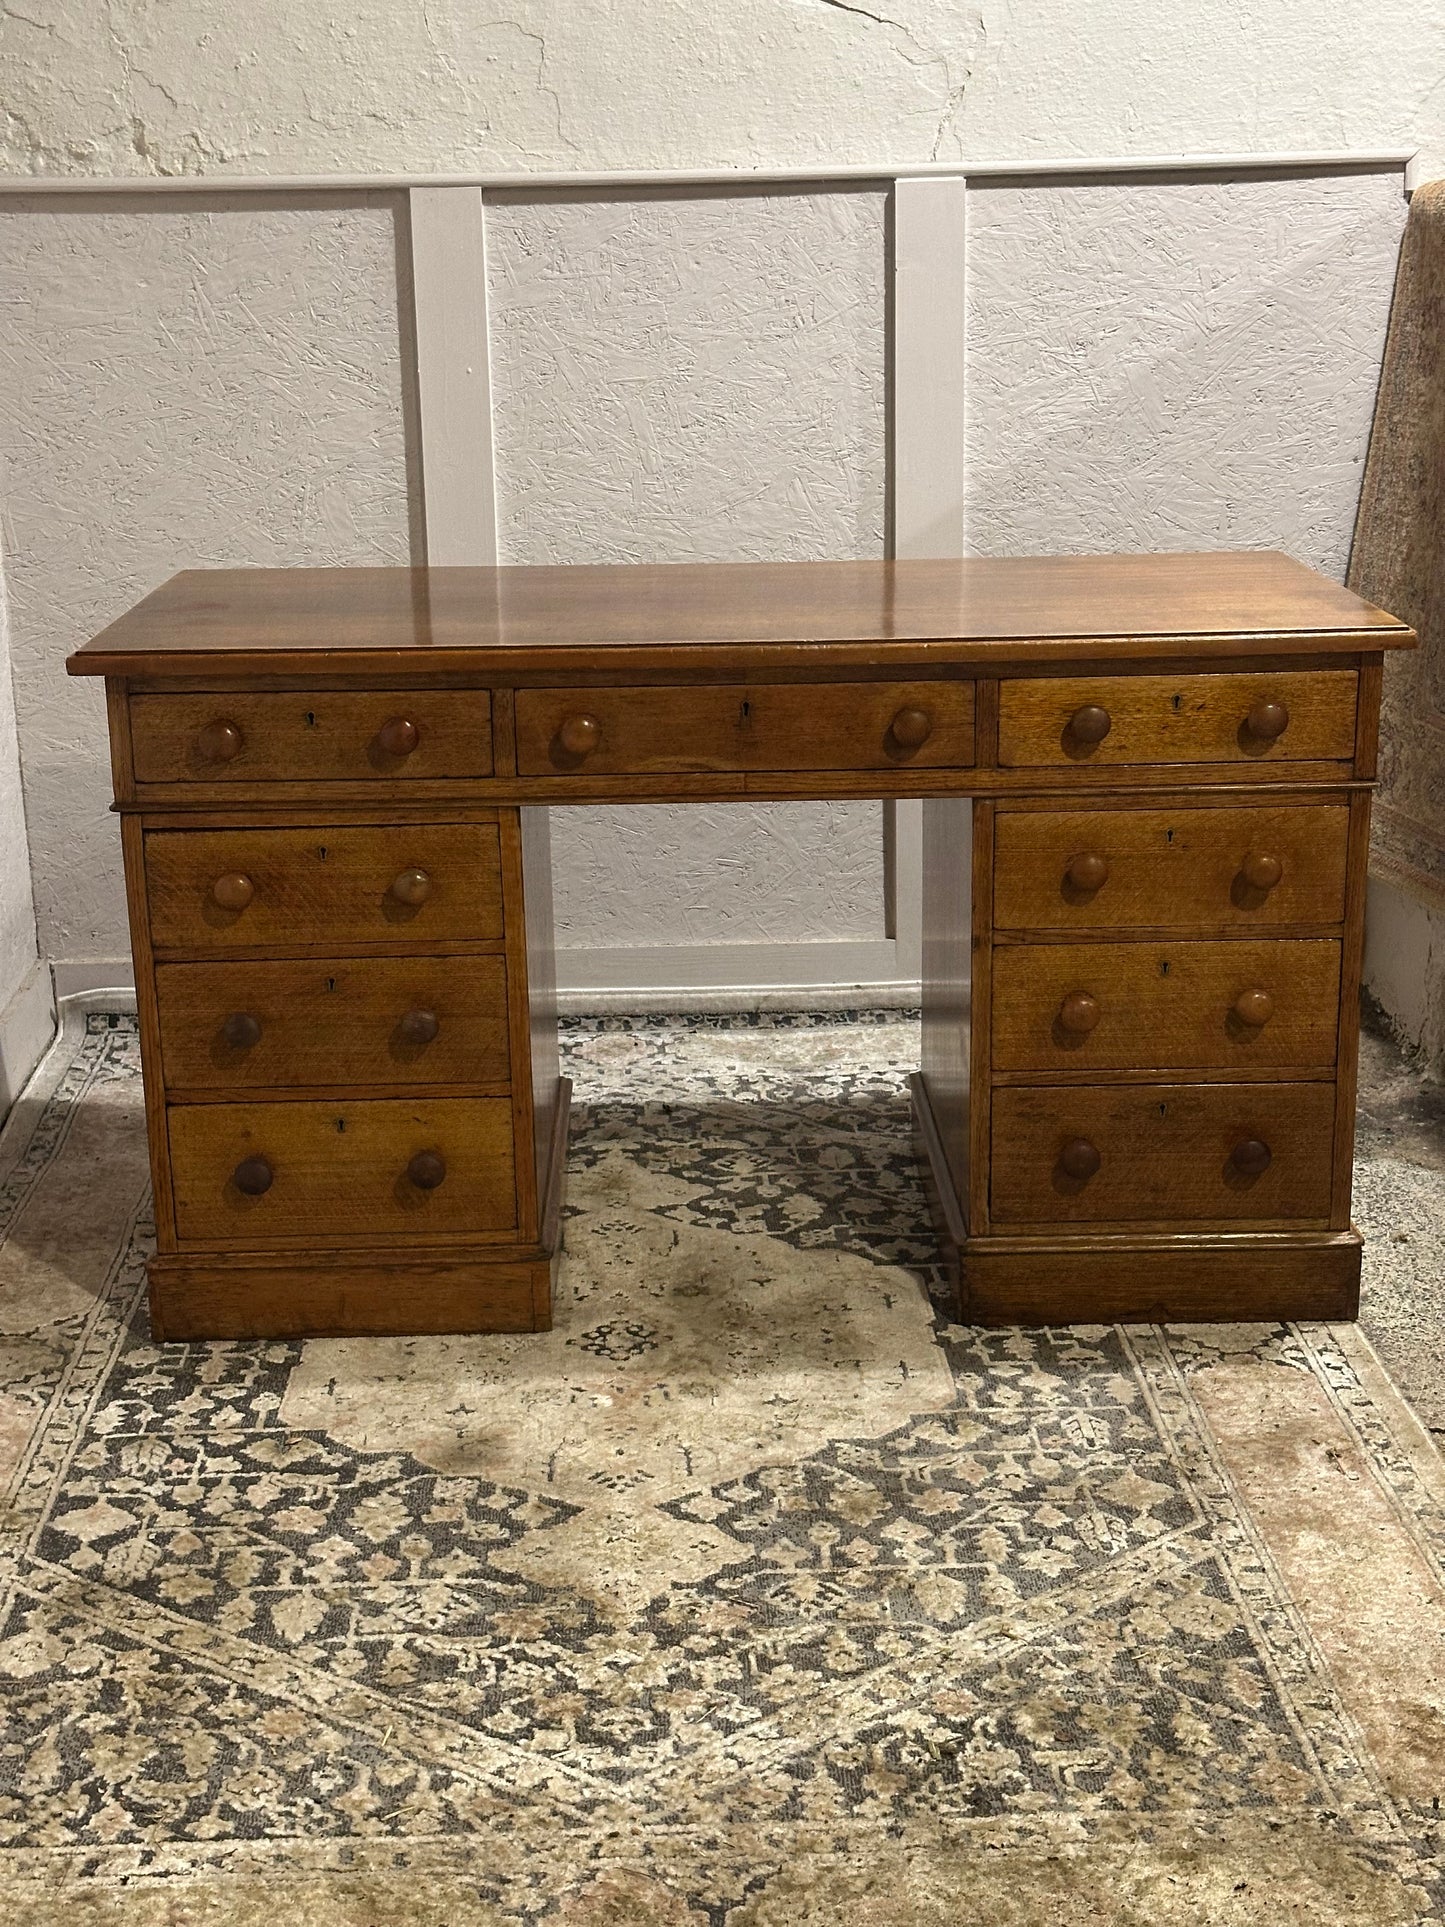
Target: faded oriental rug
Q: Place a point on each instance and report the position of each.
(757, 1593)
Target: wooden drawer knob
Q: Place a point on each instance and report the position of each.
(232, 891)
(253, 1176)
(241, 1030)
(427, 1169)
(580, 735)
(1079, 1159)
(399, 736)
(1266, 721)
(1251, 1156)
(1088, 870)
(912, 728)
(1091, 724)
(1254, 1007)
(1079, 1012)
(411, 887)
(419, 1026)
(1261, 872)
(220, 741)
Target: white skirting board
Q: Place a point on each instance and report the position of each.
(742, 976)
(681, 978)
(27, 1025)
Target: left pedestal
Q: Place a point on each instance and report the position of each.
(355, 1118)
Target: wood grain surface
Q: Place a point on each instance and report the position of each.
(1226, 605)
(1167, 1006)
(312, 736)
(1177, 868)
(329, 885)
(1177, 719)
(1218, 1279)
(334, 1022)
(340, 1170)
(1165, 1153)
(198, 1297)
(762, 726)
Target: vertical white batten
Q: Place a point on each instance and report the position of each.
(454, 381)
(930, 233)
(930, 230)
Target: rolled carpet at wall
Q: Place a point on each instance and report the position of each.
(1398, 559)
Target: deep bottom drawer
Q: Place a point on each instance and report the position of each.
(383, 1170)
(1190, 1153)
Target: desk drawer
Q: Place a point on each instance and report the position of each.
(236, 1027)
(1170, 1005)
(325, 736)
(1162, 1152)
(1170, 868)
(332, 887)
(766, 726)
(1296, 716)
(386, 1170)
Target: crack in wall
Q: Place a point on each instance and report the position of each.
(540, 40)
(954, 90)
(40, 26)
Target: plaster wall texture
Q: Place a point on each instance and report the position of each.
(1175, 365)
(17, 903)
(186, 385)
(690, 376)
(1151, 364)
(437, 85)
(1404, 968)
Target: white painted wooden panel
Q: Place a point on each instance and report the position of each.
(454, 389)
(186, 385)
(682, 377)
(1175, 364)
(930, 225)
(929, 291)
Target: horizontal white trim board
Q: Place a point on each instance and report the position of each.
(735, 976)
(27, 1024)
(683, 977)
(1328, 161)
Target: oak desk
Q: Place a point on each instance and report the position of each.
(1148, 783)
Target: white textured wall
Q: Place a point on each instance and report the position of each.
(275, 87)
(1151, 364)
(1174, 365)
(185, 385)
(696, 377)
(17, 905)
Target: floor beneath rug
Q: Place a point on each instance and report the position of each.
(756, 1593)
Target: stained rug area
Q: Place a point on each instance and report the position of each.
(757, 1593)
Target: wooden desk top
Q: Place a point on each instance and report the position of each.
(727, 617)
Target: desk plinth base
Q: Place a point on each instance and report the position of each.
(351, 1295)
(368, 1294)
(1121, 1277)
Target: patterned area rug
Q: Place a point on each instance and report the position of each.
(756, 1593)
